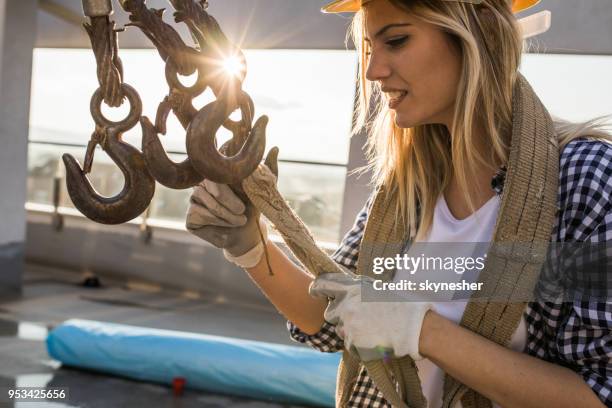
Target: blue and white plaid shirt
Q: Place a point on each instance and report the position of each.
(576, 335)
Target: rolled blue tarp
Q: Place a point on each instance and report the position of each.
(246, 368)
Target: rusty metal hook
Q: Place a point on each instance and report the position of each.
(202, 147)
(139, 185)
(182, 175)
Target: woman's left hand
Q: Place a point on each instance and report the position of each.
(374, 328)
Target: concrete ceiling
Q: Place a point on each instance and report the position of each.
(262, 23)
(579, 26)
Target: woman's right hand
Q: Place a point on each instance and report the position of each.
(219, 216)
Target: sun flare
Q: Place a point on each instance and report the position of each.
(234, 66)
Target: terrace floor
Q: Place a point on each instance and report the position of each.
(51, 296)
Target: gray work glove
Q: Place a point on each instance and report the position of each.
(219, 216)
(390, 327)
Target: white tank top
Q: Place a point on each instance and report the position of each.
(478, 227)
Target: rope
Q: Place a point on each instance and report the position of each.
(103, 37)
(261, 189)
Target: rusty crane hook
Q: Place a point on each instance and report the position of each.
(202, 147)
(139, 186)
(182, 175)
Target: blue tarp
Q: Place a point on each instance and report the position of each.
(216, 364)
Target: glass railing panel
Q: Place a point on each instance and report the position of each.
(314, 191)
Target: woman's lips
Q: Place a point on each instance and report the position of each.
(395, 98)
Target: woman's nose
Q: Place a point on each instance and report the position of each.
(378, 68)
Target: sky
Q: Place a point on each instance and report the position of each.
(307, 95)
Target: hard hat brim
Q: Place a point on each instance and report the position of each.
(353, 6)
(342, 6)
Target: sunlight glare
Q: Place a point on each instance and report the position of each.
(234, 66)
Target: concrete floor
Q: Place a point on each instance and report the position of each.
(51, 296)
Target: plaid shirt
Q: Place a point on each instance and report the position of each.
(577, 335)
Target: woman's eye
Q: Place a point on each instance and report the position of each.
(397, 42)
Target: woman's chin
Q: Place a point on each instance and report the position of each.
(404, 122)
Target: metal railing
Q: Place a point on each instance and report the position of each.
(320, 210)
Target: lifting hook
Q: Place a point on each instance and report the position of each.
(182, 175)
(202, 147)
(139, 185)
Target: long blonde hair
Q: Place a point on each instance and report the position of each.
(417, 163)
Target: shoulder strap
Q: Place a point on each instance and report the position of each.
(522, 233)
(383, 237)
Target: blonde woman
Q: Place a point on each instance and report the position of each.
(461, 150)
